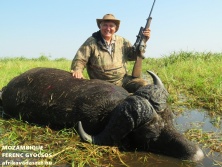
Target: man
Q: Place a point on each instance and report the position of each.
(105, 54)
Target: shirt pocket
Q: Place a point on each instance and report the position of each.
(96, 60)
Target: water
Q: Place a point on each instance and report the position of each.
(197, 119)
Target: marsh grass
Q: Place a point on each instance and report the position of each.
(195, 76)
(63, 145)
(198, 76)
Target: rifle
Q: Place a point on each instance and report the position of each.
(139, 46)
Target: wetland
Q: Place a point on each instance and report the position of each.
(194, 81)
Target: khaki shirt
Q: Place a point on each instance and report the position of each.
(100, 63)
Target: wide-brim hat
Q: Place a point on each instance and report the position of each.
(109, 17)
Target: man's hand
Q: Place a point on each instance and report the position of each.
(77, 74)
(146, 34)
(142, 46)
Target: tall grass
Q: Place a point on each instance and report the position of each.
(198, 76)
(11, 67)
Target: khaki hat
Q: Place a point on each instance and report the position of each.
(109, 17)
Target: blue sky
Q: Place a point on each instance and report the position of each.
(57, 28)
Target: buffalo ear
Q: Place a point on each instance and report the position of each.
(83, 135)
(156, 80)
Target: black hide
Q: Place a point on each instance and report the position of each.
(53, 97)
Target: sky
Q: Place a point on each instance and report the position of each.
(57, 28)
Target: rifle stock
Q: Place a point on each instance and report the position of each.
(137, 68)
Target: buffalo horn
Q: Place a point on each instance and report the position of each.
(156, 80)
(84, 136)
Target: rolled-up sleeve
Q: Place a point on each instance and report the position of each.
(130, 54)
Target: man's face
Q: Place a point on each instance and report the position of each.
(108, 28)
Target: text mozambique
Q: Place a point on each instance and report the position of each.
(20, 147)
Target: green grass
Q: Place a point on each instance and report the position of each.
(198, 76)
(195, 76)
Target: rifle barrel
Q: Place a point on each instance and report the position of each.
(149, 18)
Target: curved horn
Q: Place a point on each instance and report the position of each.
(84, 136)
(156, 80)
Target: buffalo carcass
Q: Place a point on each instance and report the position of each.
(107, 112)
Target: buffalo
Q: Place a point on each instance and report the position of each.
(103, 114)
